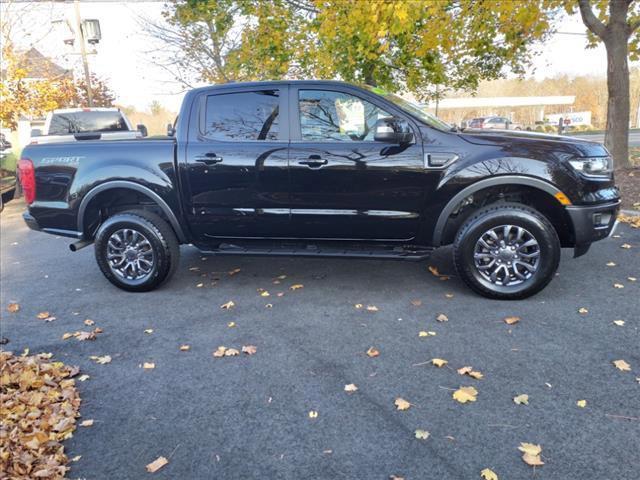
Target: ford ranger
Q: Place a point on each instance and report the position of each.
(324, 168)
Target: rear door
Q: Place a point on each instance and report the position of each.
(345, 185)
(236, 164)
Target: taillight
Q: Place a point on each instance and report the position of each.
(27, 179)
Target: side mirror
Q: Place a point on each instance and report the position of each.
(393, 130)
(142, 129)
(36, 132)
(170, 130)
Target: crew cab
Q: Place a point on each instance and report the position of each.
(324, 168)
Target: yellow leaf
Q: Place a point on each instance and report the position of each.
(488, 474)
(350, 388)
(297, 286)
(401, 404)
(530, 448)
(220, 352)
(184, 348)
(442, 318)
(86, 423)
(619, 323)
(228, 305)
(625, 246)
(313, 414)
(448, 295)
(231, 324)
(157, 464)
(583, 310)
(422, 434)
(465, 394)
(101, 360)
(13, 307)
(439, 362)
(89, 322)
(231, 352)
(522, 399)
(611, 264)
(358, 306)
(67, 336)
(249, 349)
(43, 315)
(148, 365)
(372, 352)
(622, 365)
(511, 320)
(264, 294)
(372, 308)
(581, 403)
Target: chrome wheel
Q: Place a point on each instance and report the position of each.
(507, 255)
(130, 255)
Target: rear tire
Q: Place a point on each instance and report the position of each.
(507, 251)
(136, 250)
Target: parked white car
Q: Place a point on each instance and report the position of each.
(494, 122)
(72, 124)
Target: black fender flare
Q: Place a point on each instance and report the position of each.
(480, 185)
(166, 209)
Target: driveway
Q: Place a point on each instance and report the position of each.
(248, 416)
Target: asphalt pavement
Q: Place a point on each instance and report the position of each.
(247, 416)
(634, 137)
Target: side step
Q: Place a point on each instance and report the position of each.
(322, 250)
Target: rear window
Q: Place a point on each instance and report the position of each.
(77, 122)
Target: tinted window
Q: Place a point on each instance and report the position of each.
(76, 122)
(242, 116)
(334, 116)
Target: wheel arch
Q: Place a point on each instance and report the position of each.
(547, 198)
(95, 194)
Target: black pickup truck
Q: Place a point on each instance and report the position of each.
(323, 168)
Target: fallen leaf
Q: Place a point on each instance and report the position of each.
(465, 394)
(583, 310)
(43, 315)
(372, 308)
(471, 372)
(488, 474)
(434, 271)
(297, 286)
(438, 362)
(220, 352)
(372, 352)
(234, 271)
(231, 324)
(185, 348)
(13, 307)
(67, 336)
(101, 360)
(313, 414)
(350, 388)
(522, 399)
(264, 294)
(581, 403)
(76, 458)
(416, 303)
(421, 434)
(632, 279)
(149, 330)
(228, 305)
(619, 323)
(249, 349)
(426, 334)
(401, 404)
(231, 352)
(157, 464)
(622, 365)
(611, 264)
(83, 378)
(395, 477)
(531, 454)
(200, 285)
(358, 306)
(86, 423)
(148, 365)
(269, 305)
(442, 318)
(625, 246)
(618, 285)
(512, 320)
(448, 295)
(89, 322)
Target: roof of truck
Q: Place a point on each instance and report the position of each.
(274, 83)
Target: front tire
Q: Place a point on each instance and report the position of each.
(136, 250)
(507, 251)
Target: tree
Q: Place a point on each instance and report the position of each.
(396, 45)
(102, 94)
(615, 23)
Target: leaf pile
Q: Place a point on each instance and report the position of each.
(40, 405)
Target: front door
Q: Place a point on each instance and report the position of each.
(237, 179)
(345, 185)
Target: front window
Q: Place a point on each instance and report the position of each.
(328, 116)
(412, 109)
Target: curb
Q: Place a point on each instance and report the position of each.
(630, 213)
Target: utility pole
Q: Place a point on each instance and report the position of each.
(83, 52)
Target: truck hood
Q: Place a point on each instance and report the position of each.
(556, 143)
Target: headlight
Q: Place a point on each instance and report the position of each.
(593, 167)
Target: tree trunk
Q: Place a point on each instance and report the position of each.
(617, 135)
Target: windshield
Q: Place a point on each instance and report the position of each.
(412, 109)
(87, 121)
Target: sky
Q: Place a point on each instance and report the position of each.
(122, 56)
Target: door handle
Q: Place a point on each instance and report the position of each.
(314, 161)
(208, 158)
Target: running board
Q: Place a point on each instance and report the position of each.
(315, 250)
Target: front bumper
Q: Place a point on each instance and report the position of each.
(592, 222)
